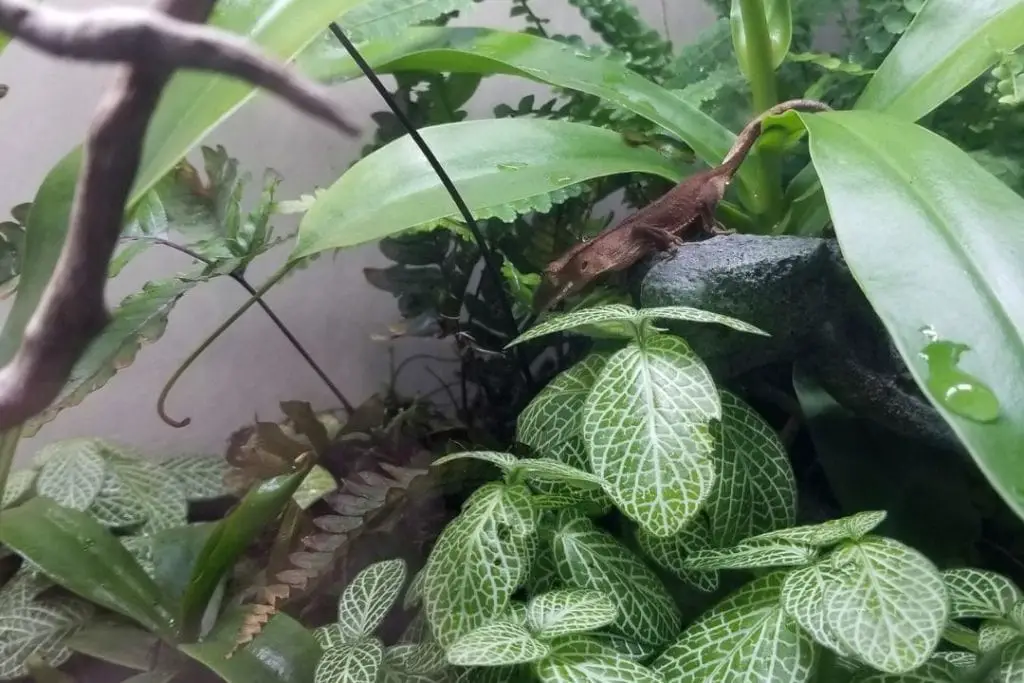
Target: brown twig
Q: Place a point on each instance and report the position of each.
(153, 44)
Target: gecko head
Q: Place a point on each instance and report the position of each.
(569, 275)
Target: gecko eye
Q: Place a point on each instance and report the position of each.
(584, 265)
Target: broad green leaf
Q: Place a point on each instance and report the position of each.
(646, 427)
(670, 552)
(192, 105)
(1011, 663)
(828, 533)
(775, 18)
(85, 558)
(356, 662)
(117, 641)
(891, 606)
(734, 640)
(628, 320)
(563, 612)
(550, 471)
(979, 593)
(994, 633)
(38, 628)
(756, 490)
(485, 51)
(499, 643)
(930, 672)
(803, 598)
(366, 600)
(19, 486)
(490, 161)
(750, 556)
(481, 558)
(593, 559)
(948, 45)
(141, 318)
(505, 461)
(231, 536)
(71, 472)
(385, 18)
(201, 476)
(283, 652)
(945, 283)
(581, 659)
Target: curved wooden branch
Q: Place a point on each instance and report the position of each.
(154, 44)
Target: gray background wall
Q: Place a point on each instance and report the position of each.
(330, 307)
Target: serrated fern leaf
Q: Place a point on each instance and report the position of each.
(618, 23)
(387, 18)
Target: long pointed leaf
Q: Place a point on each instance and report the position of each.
(491, 162)
(934, 241)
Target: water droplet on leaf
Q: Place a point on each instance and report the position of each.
(511, 165)
(959, 391)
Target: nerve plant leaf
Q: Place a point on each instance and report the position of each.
(481, 558)
(19, 486)
(499, 643)
(38, 628)
(670, 552)
(930, 672)
(756, 489)
(593, 559)
(803, 598)
(563, 612)
(368, 598)
(71, 472)
(357, 662)
(891, 605)
(750, 556)
(979, 593)
(581, 659)
(646, 426)
(827, 533)
(994, 634)
(734, 640)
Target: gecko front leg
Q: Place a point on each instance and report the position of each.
(662, 239)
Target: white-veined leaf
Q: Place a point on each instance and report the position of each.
(19, 486)
(505, 461)
(670, 552)
(330, 636)
(201, 476)
(627, 648)
(803, 598)
(418, 659)
(737, 637)
(38, 627)
(1016, 614)
(563, 612)
(368, 598)
(386, 18)
(1011, 663)
(931, 672)
(891, 607)
(116, 505)
(993, 634)
(590, 558)
(827, 533)
(499, 643)
(580, 659)
(756, 489)
(414, 593)
(547, 470)
(517, 612)
(958, 658)
(625, 321)
(141, 485)
(357, 662)
(71, 472)
(646, 426)
(750, 556)
(979, 593)
(481, 558)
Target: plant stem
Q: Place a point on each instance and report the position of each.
(764, 95)
(240, 279)
(257, 294)
(8, 444)
(490, 264)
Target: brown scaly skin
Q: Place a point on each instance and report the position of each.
(688, 208)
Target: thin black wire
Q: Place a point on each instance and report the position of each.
(489, 263)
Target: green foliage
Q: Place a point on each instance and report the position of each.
(618, 23)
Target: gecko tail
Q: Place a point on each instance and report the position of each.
(752, 131)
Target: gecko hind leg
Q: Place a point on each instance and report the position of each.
(712, 227)
(659, 237)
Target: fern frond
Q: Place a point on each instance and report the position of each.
(618, 23)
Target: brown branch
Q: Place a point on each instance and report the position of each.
(154, 43)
